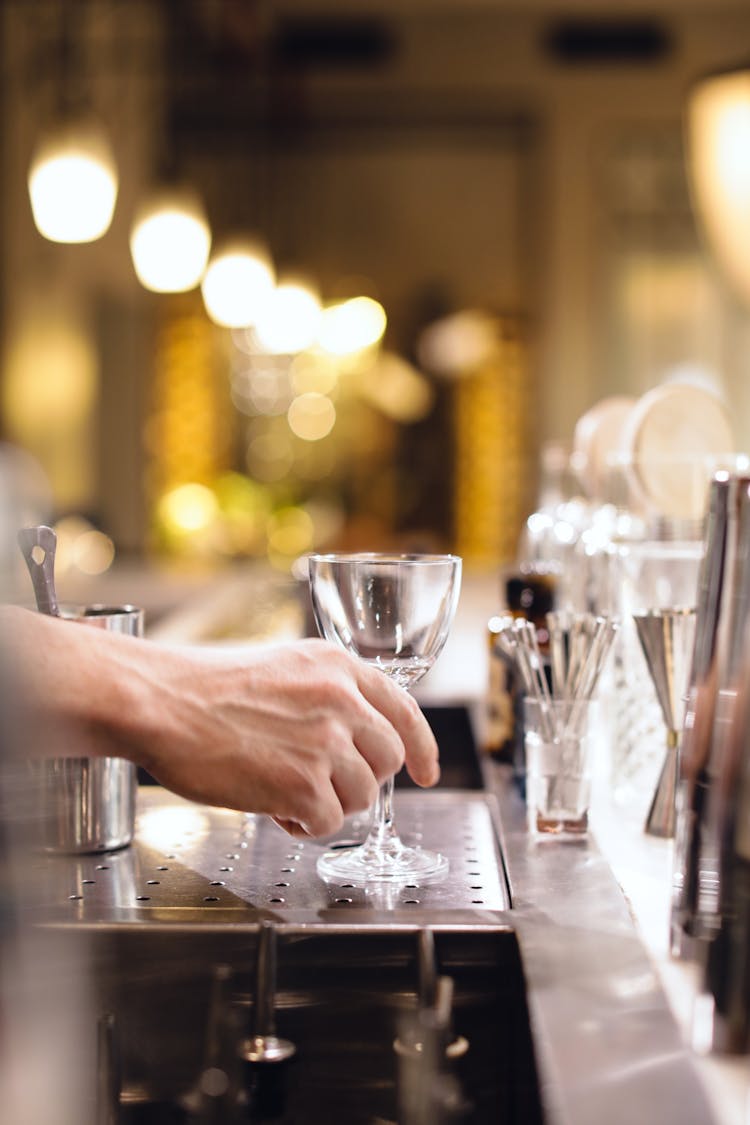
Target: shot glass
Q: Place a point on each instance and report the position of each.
(559, 765)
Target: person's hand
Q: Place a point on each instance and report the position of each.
(303, 732)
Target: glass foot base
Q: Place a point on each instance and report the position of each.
(370, 863)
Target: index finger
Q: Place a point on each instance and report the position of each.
(403, 713)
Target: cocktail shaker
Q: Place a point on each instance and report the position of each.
(711, 900)
(723, 909)
(88, 804)
(726, 928)
(84, 804)
(691, 801)
(730, 663)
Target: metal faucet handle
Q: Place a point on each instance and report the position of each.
(264, 1053)
(109, 1071)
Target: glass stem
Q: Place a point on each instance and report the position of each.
(382, 832)
(382, 835)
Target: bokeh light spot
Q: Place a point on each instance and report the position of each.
(352, 325)
(189, 507)
(311, 416)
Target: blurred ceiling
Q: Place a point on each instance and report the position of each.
(559, 7)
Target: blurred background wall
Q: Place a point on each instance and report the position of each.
(523, 161)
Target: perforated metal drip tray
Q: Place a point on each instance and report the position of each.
(193, 863)
(156, 920)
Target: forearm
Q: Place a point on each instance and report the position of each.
(303, 733)
(78, 690)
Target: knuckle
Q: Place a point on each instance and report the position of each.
(331, 734)
(343, 699)
(328, 695)
(305, 787)
(327, 653)
(320, 817)
(304, 652)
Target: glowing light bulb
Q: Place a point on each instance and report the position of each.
(73, 183)
(352, 325)
(718, 122)
(238, 282)
(289, 320)
(170, 241)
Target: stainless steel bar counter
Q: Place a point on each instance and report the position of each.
(607, 1044)
(562, 1001)
(536, 934)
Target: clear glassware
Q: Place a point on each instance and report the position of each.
(394, 612)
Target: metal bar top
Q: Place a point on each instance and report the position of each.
(606, 1043)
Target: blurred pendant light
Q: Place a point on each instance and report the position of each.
(718, 125)
(351, 326)
(170, 241)
(290, 318)
(237, 283)
(72, 177)
(73, 182)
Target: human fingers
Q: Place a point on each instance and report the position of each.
(404, 714)
(292, 827)
(355, 787)
(354, 782)
(379, 743)
(346, 782)
(317, 813)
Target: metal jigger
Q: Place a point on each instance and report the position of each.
(667, 637)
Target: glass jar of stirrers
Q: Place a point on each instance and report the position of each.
(561, 689)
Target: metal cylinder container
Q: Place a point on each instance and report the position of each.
(88, 804)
